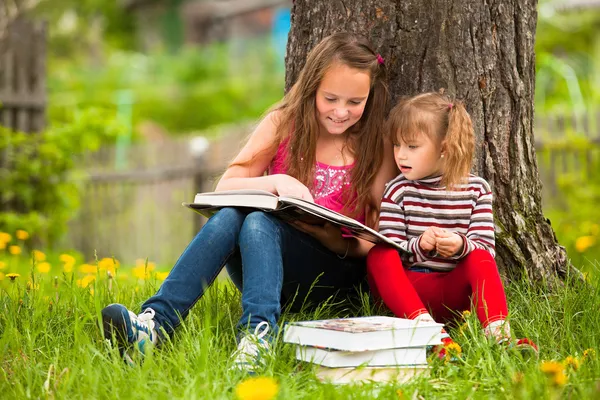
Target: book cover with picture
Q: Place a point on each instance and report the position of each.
(363, 333)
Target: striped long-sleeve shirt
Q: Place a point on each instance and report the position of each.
(408, 208)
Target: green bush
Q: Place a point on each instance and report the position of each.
(576, 217)
(37, 194)
(192, 90)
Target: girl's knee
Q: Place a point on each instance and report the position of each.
(479, 261)
(381, 257)
(259, 221)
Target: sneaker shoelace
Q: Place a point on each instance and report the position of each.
(144, 326)
(250, 346)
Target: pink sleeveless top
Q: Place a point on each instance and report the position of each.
(330, 185)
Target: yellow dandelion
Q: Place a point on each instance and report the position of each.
(2, 265)
(12, 277)
(454, 348)
(85, 281)
(589, 353)
(259, 388)
(400, 394)
(559, 378)
(161, 276)
(551, 367)
(108, 264)
(66, 259)
(466, 314)
(583, 243)
(143, 271)
(88, 269)
(39, 255)
(68, 268)
(43, 267)
(14, 250)
(21, 234)
(32, 286)
(5, 237)
(2, 245)
(572, 362)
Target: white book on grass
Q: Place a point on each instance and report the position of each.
(288, 209)
(402, 356)
(370, 374)
(363, 333)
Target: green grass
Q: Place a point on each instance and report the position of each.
(51, 346)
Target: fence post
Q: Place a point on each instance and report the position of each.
(198, 149)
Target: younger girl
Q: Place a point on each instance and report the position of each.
(322, 142)
(443, 215)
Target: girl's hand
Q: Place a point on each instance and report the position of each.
(428, 239)
(448, 243)
(329, 235)
(286, 185)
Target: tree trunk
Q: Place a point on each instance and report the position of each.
(482, 52)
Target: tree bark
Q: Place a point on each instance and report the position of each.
(482, 52)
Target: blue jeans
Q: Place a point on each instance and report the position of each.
(272, 263)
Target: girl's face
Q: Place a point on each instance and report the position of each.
(341, 98)
(419, 157)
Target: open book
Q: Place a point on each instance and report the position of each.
(288, 209)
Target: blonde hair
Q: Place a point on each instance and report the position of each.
(297, 113)
(444, 121)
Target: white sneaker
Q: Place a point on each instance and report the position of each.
(128, 328)
(252, 350)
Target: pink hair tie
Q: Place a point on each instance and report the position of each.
(380, 60)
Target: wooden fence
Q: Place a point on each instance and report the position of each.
(567, 147)
(137, 213)
(23, 76)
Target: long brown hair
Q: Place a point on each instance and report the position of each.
(443, 120)
(297, 113)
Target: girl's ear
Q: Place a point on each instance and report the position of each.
(443, 149)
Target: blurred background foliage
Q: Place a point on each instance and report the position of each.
(98, 66)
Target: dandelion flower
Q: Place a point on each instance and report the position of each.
(551, 367)
(2, 265)
(12, 277)
(88, 269)
(43, 267)
(108, 264)
(39, 255)
(454, 348)
(589, 353)
(66, 259)
(466, 314)
(161, 276)
(85, 281)
(583, 243)
(5, 237)
(572, 362)
(21, 234)
(559, 378)
(260, 388)
(2, 245)
(32, 286)
(14, 250)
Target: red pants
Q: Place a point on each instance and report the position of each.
(474, 282)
